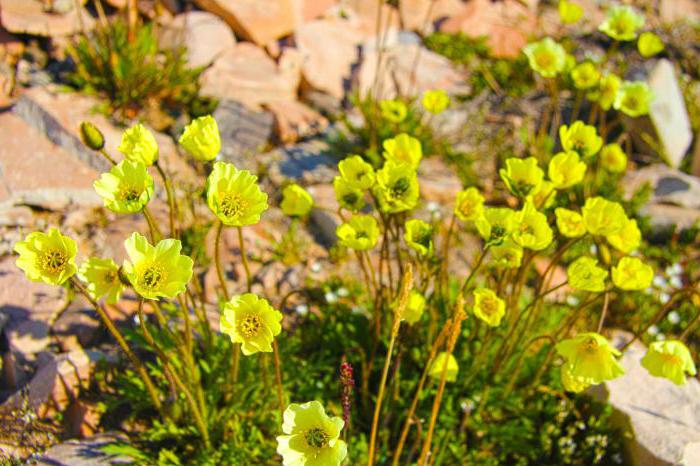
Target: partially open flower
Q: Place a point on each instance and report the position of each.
(234, 195)
(570, 223)
(633, 98)
(102, 278)
(403, 148)
(252, 322)
(414, 308)
(603, 217)
(566, 169)
(573, 383)
(488, 306)
(438, 365)
(507, 254)
(127, 187)
(311, 437)
(419, 236)
(613, 158)
(546, 57)
(523, 177)
(581, 138)
(632, 274)
(569, 12)
(544, 197)
(397, 187)
(393, 110)
(628, 238)
(670, 359)
(435, 101)
(469, 204)
(532, 230)
(649, 44)
(201, 138)
(622, 23)
(360, 233)
(158, 271)
(585, 76)
(348, 196)
(139, 145)
(591, 357)
(47, 257)
(357, 173)
(496, 224)
(607, 91)
(584, 274)
(296, 201)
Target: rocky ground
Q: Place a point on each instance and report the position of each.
(281, 73)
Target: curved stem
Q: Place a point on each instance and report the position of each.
(217, 261)
(171, 199)
(278, 377)
(244, 259)
(152, 226)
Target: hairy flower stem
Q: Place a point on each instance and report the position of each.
(244, 259)
(140, 368)
(451, 342)
(107, 156)
(406, 285)
(152, 226)
(167, 366)
(217, 261)
(604, 312)
(278, 377)
(171, 199)
(472, 273)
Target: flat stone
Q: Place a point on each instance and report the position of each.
(671, 11)
(29, 17)
(438, 181)
(204, 35)
(665, 217)
(243, 132)
(245, 73)
(294, 120)
(87, 452)
(79, 322)
(308, 162)
(259, 22)
(414, 13)
(324, 216)
(670, 186)
(507, 24)
(306, 10)
(668, 112)
(663, 417)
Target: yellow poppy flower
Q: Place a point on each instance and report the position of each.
(572, 383)
(361, 233)
(435, 101)
(102, 278)
(532, 230)
(569, 12)
(632, 274)
(139, 145)
(670, 359)
(546, 57)
(419, 236)
(469, 204)
(47, 257)
(488, 306)
(357, 173)
(127, 187)
(566, 169)
(311, 437)
(649, 44)
(613, 158)
(584, 274)
(347, 195)
(523, 177)
(397, 187)
(201, 138)
(438, 364)
(496, 224)
(234, 195)
(251, 321)
(607, 91)
(627, 239)
(581, 138)
(590, 356)
(585, 75)
(621, 23)
(403, 148)
(394, 111)
(569, 223)
(158, 271)
(296, 201)
(544, 197)
(414, 308)
(507, 254)
(633, 98)
(603, 217)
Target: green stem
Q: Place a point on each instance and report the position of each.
(217, 261)
(171, 199)
(244, 259)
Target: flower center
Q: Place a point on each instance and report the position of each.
(110, 276)
(129, 194)
(350, 198)
(631, 103)
(232, 205)
(423, 238)
(488, 306)
(53, 261)
(466, 207)
(361, 234)
(152, 277)
(544, 59)
(590, 345)
(316, 437)
(250, 326)
(400, 187)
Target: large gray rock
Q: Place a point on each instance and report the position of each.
(663, 417)
(87, 452)
(243, 132)
(204, 35)
(309, 163)
(668, 112)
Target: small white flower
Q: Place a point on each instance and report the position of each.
(343, 292)
(572, 300)
(331, 297)
(467, 406)
(433, 207)
(316, 267)
(675, 281)
(674, 317)
(302, 309)
(593, 249)
(664, 298)
(659, 281)
(653, 330)
(674, 270)
(660, 337)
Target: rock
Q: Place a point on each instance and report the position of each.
(438, 181)
(79, 324)
(29, 17)
(670, 186)
(507, 24)
(306, 10)
(257, 21)
(308, 162)
(294, 120)
(68, 182)
(86, 452)
(409, 69)
(245, 73)
(204, 35)
(664, 217)
(82, 419)
(671, 11)
(668, 112)
(364, 14)
(414, 13)
(664, 418)
(324, 216)
(329, 48)
(243, 132)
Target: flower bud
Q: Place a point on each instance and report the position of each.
(91, 136)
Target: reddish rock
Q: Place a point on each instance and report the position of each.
(672, 11)
(506, 23)
(245, 73)
(255, 20)
(82, 419)
(294, 120)
(204, 35)
(438, 181)
(29, 17)
(414, 13)
(306, 10)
